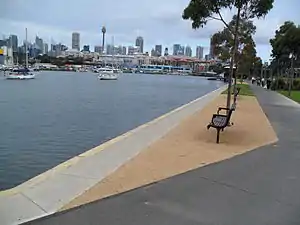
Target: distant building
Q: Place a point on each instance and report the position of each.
(166, 53)
(124, 50)
(98, 49)
(39, 44)
(211, 49)
(199, 52)
(109, 49)
(139, 42)
(188, 51)
(76, 41)
(153, 52)
(86, 48)
(133, 50)
(176, 49)
(13, 42)
(158, 50)
(207, 57)
(46, 48)
(181, 50)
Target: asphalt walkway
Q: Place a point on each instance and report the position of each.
(259, 187)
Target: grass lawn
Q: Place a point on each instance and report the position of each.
(295, 95)
(245, 90)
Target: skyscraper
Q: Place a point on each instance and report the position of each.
(199, 52)
(158, 50)
(40, 44)
(211, 49)
(13, 42)
(139, 42)
(188, 51)
(176, 49)
(46, 48)
(76, 41)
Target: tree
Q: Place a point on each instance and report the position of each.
(201, 11)
(223, 41)
(286, 41)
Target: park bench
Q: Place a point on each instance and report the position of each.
(220, 121)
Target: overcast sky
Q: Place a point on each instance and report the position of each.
(158, 21)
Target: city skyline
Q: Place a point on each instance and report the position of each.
(158, 26)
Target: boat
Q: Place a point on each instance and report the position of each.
(107, 73)
(20, 74)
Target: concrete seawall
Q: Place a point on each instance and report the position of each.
(48, 192)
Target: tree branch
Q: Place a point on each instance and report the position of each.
(222, 19)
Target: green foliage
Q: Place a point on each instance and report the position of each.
(201, 11)
(285, 41)
(223, 41)
(217, 68)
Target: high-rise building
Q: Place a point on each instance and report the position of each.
(98, 49)
(153, 52)
(211, 49)
(124, 50)
(13, 42)
(46, 48)
(181, 50)
(76, 41)
(109, 49)
(176, 49)
(39, 44)
(139, 42)
(188, 51)
(199, 52)
(158, 50)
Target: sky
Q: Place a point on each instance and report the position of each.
(159, 22)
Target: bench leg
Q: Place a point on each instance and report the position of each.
(218, 136)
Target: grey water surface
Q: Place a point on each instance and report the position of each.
(58, 115)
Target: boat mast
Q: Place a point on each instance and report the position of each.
(26, 49)
(113, 51)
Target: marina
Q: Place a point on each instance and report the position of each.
(62, 114)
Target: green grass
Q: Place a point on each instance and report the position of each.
(245, 90)
(295, 95)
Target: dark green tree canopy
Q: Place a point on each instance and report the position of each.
(201, 11)
(286, 41)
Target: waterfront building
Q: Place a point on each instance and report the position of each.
(139, 42)
(176, 49)
(166, 53)
(76, 40)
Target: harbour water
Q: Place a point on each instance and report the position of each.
(58, 115)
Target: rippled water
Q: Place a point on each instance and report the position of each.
(46, 121)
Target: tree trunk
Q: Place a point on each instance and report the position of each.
(233, 57)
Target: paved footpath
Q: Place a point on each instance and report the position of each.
(259, 187)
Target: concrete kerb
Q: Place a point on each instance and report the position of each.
(294, 103)
(48, 192)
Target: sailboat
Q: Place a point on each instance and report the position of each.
(109, 73)
(21, 74)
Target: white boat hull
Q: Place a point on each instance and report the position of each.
(20, 77)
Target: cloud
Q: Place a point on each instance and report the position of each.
(159, 22)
